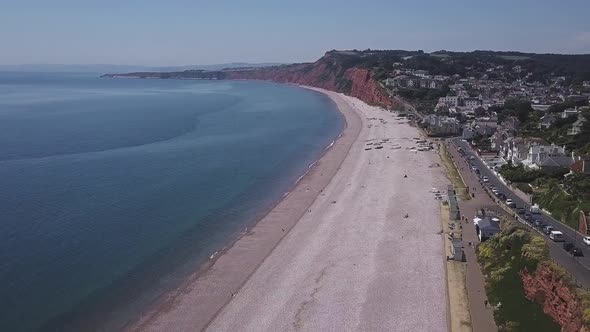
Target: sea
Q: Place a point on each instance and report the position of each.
(114, 191)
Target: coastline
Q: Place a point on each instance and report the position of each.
(229, 268)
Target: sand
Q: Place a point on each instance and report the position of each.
(337, 254)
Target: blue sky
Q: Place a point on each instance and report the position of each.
(216, 31)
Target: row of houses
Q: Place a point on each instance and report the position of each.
(405, 81)
(438, 125)
(547, 120)
(459, 101)
(535, 153)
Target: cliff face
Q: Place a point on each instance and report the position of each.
(340, 72)
(327, 73)
(556, 297)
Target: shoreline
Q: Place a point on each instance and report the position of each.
(229, 269)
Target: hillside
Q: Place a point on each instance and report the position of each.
(354, 73)
(359, 73)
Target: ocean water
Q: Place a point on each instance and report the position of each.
(114, 190)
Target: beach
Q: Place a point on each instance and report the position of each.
(354, 246)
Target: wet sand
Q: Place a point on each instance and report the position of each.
(337, 253)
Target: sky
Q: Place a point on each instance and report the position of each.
(182, 32)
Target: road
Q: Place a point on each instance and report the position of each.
(578, 267)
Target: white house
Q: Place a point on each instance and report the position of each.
(576, 126)
(538, 153)
(569, 112)
(450, 101)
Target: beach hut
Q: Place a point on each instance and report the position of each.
(457, 250)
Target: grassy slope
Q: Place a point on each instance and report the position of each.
(501, 258)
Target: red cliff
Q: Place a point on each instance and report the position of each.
(555, 295)
(326, 73)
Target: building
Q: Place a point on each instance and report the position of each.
(553, 164)
(516, 149)
(486, 227)
(405, 81)
(471, 102)
(442, 125)
(538, 152)
(421, 73)
(546, 121)
(449, 101)
(457, 253)
(581, 166)
(569, 112)
(480, 128)
(576, 126)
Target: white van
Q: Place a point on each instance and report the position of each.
(556, 236)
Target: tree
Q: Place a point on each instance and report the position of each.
(521, 108)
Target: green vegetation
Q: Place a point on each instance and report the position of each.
(562, 206)
(482, 142)
(423, 94)
(525, 188)
(519, 108)
(502, 258)
(519, 173)
(563, 196)
(560, 107)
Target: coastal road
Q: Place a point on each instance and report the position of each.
(578, 267)
(355, 262)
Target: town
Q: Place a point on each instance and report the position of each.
(528, 123)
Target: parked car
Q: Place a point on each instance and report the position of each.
(535, 209)
(510, 203)
(586, 240)
(568, 246)
(485, 179)
(501, 196)
(520, 210)
(472, 157)
(528, 216)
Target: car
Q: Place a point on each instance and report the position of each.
(485, 179)
(528, 216)
(520, 210)
(537, 223)
(510, 202)
(495, 191)
(476, 171)
(548, 229)
(578, 252)
(501, 196)
(556, 236)
(586, 240)
(568, 246)
(471, 157)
